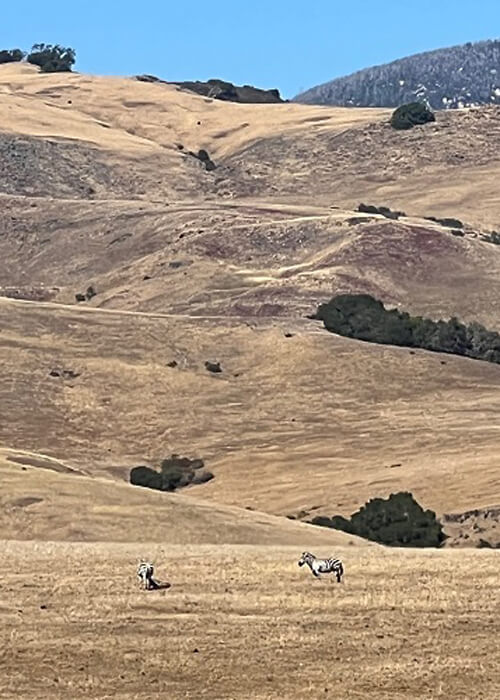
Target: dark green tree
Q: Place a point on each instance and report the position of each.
(11, 55)
(52, 58)
(363, 317)
(398, 521)
(411, 114)
(175, 472)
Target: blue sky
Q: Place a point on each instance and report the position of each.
(290, 45)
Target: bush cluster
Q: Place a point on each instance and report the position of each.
(447, 221)
(51, 58)
(11, 55)
(411, 114)
(398, 521)
(175, 473)
(493, 237)
(363, 317)
(384, 211)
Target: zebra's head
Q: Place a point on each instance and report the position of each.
(305, 558)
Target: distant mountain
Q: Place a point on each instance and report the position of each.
(452, 78)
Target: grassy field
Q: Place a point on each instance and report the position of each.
(246, 622)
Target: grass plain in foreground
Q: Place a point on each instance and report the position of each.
(246, 622)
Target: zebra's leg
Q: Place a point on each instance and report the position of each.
(153, 584)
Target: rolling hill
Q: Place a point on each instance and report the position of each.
(44, 499)
(102, 186)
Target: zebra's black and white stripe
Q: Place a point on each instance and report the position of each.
(145, 572)
(322, 566)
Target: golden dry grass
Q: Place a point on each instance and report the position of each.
(42, 502)
(290, 424)
(96, 190)
(246, 622)
(311, 422)
(129, 121)
(146, 117)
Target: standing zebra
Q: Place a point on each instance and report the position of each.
(322, 566)
(145, 572)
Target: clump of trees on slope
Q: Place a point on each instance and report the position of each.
(175, 473)
(51, 58)
(363, 317)
(11, 55)
(411, 114)
(398, 521)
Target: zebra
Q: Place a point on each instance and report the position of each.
(145, 572)
(322, 566)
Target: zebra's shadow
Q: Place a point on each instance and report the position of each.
(158, 586)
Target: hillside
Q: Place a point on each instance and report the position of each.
(311, 422)
(450, 78)
(100, 187)
(44, 499)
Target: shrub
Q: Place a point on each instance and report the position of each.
(363, 317)
(11, 55)
(493, 237)
(398, 521)
(384, 211)
(175, 473)
(145, 476)
(52, 58)
(411, 114)
(203, 156)
(447, 221)
(213, 367)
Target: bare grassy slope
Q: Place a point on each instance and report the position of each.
(243, 622)
(296, 152)
(445, 168)
(153, 116)
(241, 259)
(134, 131)
(38, 503)
(290, 423)
(95, 189)
(109, 148)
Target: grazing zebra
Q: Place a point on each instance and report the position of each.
(322, 566)
(145, 572)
